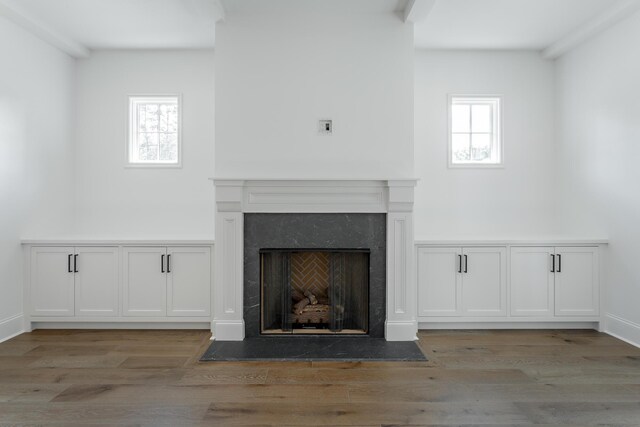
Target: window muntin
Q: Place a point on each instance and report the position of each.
(154, 131)
(474, 131)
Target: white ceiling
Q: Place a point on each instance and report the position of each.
(189, 24)
(129, 24)
(503, 24)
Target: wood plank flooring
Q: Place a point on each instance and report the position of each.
(153, 378)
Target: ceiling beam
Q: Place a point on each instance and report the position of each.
(418, 10)
(11, 10)
(591, 28)
(221, 13)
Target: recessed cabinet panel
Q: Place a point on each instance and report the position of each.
(96, 281)
(576, 282)
(484, 290)
(439, 281)
(532, 281)
(189, 281)
(52, 283)
(145, 283)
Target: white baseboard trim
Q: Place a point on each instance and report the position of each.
(227, 330)
(622, 329)
(120, 325)
(11, 327)
(507, 325)
(401, 331)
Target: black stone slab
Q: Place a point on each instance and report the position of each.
(313, 348)
(321, 231)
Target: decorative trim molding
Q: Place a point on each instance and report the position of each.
(507, 325)
(11, 327)
(235, 197)
(592, 28)
(11, 10)
(623, 329)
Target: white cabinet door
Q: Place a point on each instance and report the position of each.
(189, 281)
(532, 281)
(484, 290)
(144, 282)
(439, 281)
(52, 281)
(576, 286)
(96, 281)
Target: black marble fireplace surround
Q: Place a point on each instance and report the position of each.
(315, 231)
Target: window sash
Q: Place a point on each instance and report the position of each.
(495, 148)
(137, 133)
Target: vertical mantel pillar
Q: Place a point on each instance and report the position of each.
(401, 323)
(228, 322)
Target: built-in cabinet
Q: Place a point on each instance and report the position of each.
(173, 281)
(119, 283)
(462, 281)
(74, 281)
(554, 281)
(508, 283)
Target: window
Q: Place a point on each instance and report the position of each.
(474, 131)
(154, 131)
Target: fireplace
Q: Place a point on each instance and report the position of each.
(321, 216)
(300, 279)
(314, 291)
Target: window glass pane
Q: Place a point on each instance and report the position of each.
(460, 148)
(481, 147)
(168, 146)
(460, 118)
(481, 118)
(172, 118)
(147, 146)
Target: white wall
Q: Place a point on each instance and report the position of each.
(118, 201)
(36, 160)
(280, 71)
(598, 157)
(514, 201)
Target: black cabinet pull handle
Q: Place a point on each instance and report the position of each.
(459, 263)
(69, 263)
(559, 270)
(75, 263)
(553, 263)
(162, 263)
(169, 263)
(466, 264)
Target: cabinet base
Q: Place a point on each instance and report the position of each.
(508, 325)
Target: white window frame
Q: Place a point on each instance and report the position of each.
(497, 139)
(132, 123)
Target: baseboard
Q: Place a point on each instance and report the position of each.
(401, 331)
(120, 325)
(507, 325)
(11, 327)
(227, 330)
(622, 329)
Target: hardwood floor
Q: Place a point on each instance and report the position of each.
(153, 378)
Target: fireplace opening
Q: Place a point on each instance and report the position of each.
(314, 291)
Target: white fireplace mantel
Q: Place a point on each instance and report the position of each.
(235, 197)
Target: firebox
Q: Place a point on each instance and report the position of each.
(314, 291)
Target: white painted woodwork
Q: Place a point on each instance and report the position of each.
(96, 281)
(52, 285)
(484, 286)
(532, 281)
(144, 282)
(439, 282)
(590, 29)
(576, 282)
(12, 10)
(189, 281)
(234, 197)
